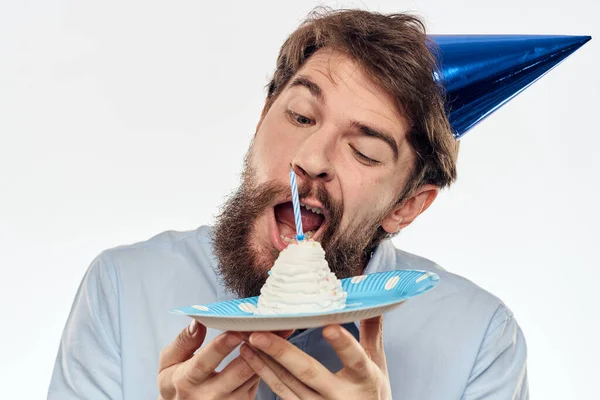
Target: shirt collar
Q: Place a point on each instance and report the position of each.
(383, 258)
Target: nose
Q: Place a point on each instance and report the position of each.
(313, 159)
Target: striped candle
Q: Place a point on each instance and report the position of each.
(296, 202)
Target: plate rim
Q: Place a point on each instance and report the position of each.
(435, 282)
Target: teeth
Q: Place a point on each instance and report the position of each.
(316, 210)
(286, 239)
(308, 234)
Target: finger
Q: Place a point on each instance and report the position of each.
(371, 339)
(234, 375)
(284, 334)
(308, 370)
(254, 389)
(286, 377)
(248, 389)
(207, 359)
(267, 374)
(184, 345)
(351, 353)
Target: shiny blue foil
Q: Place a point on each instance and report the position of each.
(480, 73)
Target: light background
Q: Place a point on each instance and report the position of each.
(122, 119)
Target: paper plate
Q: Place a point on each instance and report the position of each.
(368, 296)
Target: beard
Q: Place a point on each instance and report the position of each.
(244, 263)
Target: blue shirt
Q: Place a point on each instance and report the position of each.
(454, 342)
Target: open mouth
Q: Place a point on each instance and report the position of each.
(283, 225)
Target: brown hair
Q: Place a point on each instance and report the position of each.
(396, 53)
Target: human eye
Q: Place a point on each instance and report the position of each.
(363, 158)
(299, 119)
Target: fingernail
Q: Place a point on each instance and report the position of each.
(332, 333)
(193, 327)
(260, 340)
(232, 340)
(247, 351)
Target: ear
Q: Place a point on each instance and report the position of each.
(405, 213)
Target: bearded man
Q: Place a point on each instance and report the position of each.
(354, 109)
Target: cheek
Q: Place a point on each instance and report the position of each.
(364, 194)
(356, 193)
(273, 152)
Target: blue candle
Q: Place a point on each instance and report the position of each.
(296, 202)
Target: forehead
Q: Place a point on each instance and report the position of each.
(347, 87)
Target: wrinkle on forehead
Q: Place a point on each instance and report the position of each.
(339, 68)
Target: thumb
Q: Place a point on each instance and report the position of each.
(183, 347)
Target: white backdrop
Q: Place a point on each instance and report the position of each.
(122, 119)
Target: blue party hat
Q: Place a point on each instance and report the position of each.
(482, 72)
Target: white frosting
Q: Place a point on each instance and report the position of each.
(301, 282)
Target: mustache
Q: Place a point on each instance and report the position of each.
(317, 190)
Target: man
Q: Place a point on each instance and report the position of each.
(354, 109)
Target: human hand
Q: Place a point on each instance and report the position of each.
(293, 374)
(185, 375)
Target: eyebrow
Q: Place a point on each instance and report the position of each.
(366, 130)
(386, 137)
(312, 87)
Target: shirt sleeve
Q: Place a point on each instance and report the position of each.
(88, 365)
(500, 370)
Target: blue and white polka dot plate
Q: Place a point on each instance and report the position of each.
(368, 296)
